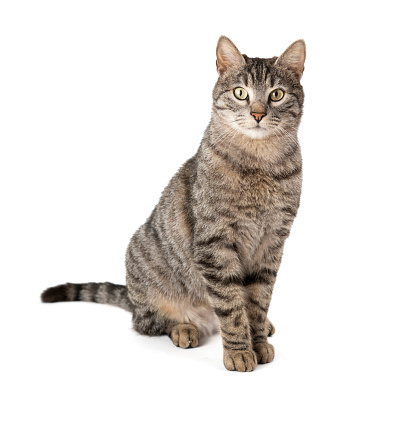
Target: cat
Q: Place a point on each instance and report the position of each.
(208, 256)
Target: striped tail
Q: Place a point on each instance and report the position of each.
(108, 293)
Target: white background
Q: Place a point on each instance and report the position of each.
(101, 102)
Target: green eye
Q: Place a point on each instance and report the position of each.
(240, 93)
(277, 95)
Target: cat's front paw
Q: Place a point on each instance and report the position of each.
(240, 360)
(185, 335)
(270, 329)
(264, 352)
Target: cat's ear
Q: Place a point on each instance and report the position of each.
(228, 56)
(294, 58)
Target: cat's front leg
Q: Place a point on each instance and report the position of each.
(270, 328)
(221, 273)
(230, 307)
(259, 293)
(259, 283)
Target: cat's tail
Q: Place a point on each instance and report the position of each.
(108, 293)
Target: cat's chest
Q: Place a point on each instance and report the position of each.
(262, 197)
(265, 216)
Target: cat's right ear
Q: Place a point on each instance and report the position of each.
(228, 56)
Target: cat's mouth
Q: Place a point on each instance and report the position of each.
(257, 132)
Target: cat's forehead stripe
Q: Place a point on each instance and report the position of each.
(257, 72)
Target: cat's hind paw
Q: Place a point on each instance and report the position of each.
(240, 360)
(185, 335)
(264, 352)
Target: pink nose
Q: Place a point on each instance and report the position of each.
(258, 116)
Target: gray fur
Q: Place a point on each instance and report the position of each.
(107, 293)
(208, 255)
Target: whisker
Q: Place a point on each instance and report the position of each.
(222, 136)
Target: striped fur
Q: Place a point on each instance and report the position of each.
(208, 256)
(107, 293)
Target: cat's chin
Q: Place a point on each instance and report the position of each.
(257, 132)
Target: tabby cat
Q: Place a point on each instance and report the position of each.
(208, 256)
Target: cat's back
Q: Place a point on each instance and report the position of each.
(160, 252)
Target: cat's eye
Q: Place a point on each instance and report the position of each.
(277, 95)
(240, 93)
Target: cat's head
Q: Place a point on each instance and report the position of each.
(259, 98)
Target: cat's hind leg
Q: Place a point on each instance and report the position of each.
(152, 321)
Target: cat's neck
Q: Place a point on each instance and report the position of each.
(277, 154)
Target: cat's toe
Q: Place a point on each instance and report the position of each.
(240, 360)
(264, 352)
(185, 336)
(270, 329)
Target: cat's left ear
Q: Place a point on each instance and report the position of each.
(228, 56)
(294, 58)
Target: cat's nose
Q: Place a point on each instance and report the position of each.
(258, 116)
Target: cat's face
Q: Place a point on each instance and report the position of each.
(256, 97)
